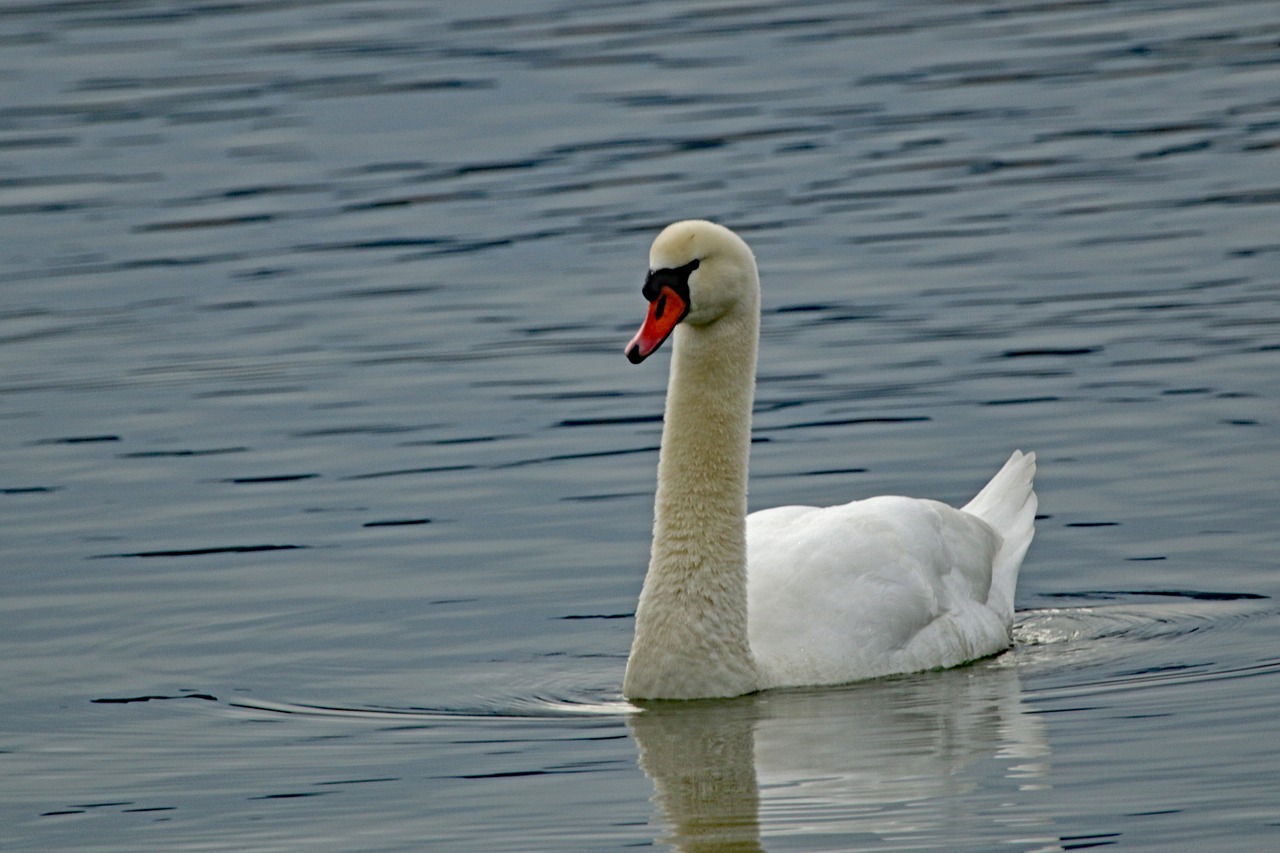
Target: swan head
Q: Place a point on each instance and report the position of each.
(698, 272)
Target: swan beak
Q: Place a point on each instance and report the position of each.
(665, 313)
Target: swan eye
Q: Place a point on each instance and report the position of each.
(676, 278)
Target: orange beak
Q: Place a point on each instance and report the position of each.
(665, 313)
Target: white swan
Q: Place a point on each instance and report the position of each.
(796, 595)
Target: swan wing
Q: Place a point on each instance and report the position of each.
(877, 586)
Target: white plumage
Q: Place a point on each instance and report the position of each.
(883, 585)
(793, 596)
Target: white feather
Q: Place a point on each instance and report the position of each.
(798, 596)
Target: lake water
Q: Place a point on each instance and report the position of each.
(325, 488)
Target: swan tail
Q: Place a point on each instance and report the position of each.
(1008, 503)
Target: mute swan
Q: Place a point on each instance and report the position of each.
(792, 596)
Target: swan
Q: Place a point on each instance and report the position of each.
(792, 596)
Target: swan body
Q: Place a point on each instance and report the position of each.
(792, 596)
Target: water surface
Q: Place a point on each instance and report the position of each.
(326, 488)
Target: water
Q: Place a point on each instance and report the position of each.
(326, 488)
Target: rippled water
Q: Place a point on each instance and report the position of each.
(325, 488)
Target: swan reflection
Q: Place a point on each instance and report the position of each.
(872, 762)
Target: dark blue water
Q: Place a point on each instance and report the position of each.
(325, 488)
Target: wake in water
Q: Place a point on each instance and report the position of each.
(1144, 633)
(1117, 617)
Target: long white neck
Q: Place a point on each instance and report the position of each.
(691, 623)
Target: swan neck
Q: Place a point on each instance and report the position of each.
(691, 624)
(706, 436)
